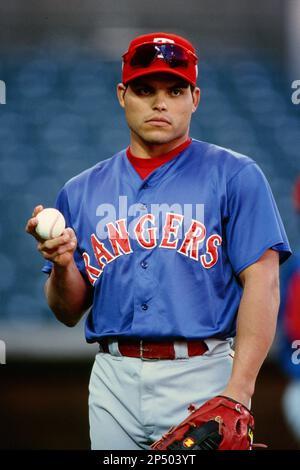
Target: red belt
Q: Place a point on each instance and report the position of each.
(153, 350)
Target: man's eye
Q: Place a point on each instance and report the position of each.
(144, 91)
(176, 91)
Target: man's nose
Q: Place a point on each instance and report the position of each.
(159, 102)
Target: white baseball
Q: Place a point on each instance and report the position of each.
(51, 223)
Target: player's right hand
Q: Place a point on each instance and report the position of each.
(59, 250)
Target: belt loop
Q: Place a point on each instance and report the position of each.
(113, 348)
(181, 350)
(141, 349)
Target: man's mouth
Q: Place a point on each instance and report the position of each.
(158, 121)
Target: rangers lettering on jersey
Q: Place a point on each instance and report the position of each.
(146, 237)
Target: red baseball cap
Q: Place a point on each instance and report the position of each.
(160, 52)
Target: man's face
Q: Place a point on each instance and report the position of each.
(158, 107)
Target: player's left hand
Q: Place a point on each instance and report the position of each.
(220, 424)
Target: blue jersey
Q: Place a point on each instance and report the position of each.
(163, 254)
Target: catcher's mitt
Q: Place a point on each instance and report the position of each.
(220, 424)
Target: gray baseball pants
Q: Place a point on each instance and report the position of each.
(133, 401)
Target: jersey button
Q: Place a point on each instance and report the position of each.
(144, 307)
(144, 264)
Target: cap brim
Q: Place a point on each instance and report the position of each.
(153, 70)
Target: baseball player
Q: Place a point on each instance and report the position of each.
(173, 247)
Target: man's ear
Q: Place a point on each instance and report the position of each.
(121, 90)
(196, 98)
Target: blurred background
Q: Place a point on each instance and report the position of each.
(60, 62)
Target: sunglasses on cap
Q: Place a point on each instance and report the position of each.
(172, 54)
